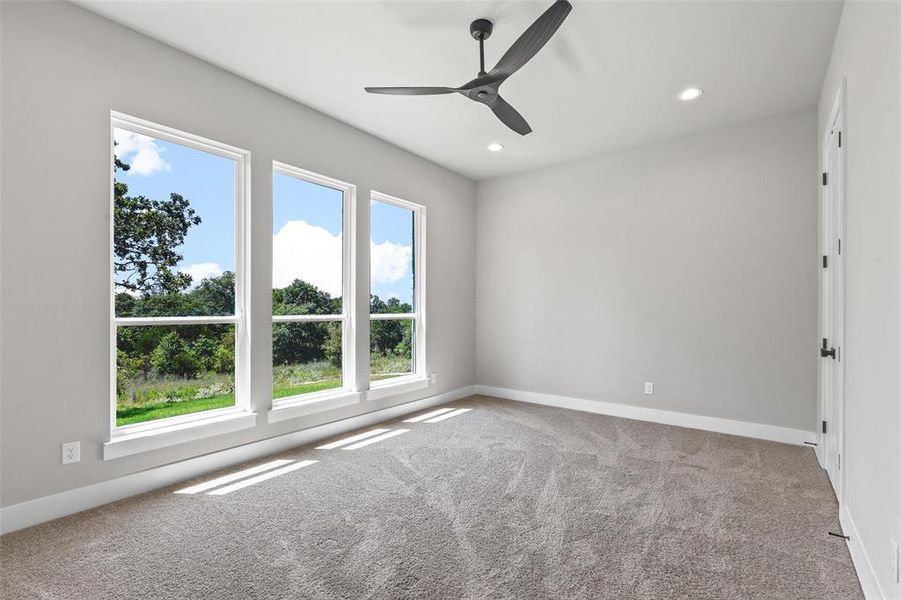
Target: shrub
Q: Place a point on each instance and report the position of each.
(204, 350)
(332, 345)
(173, 357)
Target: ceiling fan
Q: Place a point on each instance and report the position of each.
(484, 88)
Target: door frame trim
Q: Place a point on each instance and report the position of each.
(837, 118)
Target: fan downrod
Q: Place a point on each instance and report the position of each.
(481, 29)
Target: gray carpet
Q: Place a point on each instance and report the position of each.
(508, 500)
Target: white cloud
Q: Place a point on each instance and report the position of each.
(390, 261)
(140, 151)
(308, 252)
(121, 290)
(311, 253)
(201, 271)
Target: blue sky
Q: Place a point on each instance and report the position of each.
(391, 236)
(306, 224)
(159, 168)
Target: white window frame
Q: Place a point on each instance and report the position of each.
(419, 377)
(136, 437)
(348, 393)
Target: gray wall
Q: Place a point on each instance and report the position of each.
(691, 264)
(63, 69)
(867, 53)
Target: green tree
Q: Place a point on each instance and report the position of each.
(298, 342)
(304, 342)
(333, 345)
(388, 337)
(302, 298)
(215, 295)
(147, 234)
(173, 356)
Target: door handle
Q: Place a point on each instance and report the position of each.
(827, 352)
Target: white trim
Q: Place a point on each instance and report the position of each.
(832, 295)
(869, 583)
(392, 316)
(761, 431)
(240, 319)
(308, 404)
(176, 136)
(204, 320)
(384, 388)
(39, 510)
(307, 318)
(418, 316)
(348, 280)
(176, 433)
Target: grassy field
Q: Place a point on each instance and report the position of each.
(138, 413)
(170, 397)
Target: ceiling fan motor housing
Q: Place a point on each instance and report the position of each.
(481, 29)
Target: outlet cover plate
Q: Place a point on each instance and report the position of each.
(71, 453)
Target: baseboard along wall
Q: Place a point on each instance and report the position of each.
(47, 508)
(869, 583)
(773, 433)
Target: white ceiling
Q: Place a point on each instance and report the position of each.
(607, 80)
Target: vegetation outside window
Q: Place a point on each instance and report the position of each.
(178, 331)
(311, 284)
(396, 304)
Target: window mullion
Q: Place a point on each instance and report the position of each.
(146, 321)
(307, 318)
(393, 316)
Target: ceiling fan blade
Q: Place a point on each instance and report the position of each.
(509, 116)
(532, 39)
(410, 91)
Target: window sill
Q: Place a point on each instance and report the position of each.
(299, 406)
(152, 438)
(397, 385)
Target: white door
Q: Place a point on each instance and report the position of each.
(832, 304)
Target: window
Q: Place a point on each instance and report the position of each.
(178, 307)
(397, 298)
(312, 349)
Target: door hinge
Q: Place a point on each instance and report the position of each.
(839, 139)
(839, 462)
(825, 261)
(825, 178)
(824, 426)
(839, 245)
(826, 351)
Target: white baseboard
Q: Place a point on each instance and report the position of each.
(865, 573)
(761, 431)
(32, 512)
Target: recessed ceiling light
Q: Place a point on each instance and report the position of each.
(690, 93)
(495, 147)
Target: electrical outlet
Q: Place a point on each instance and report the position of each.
(433, 377)
(71, 453)
(896, 561)
(648, 387)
